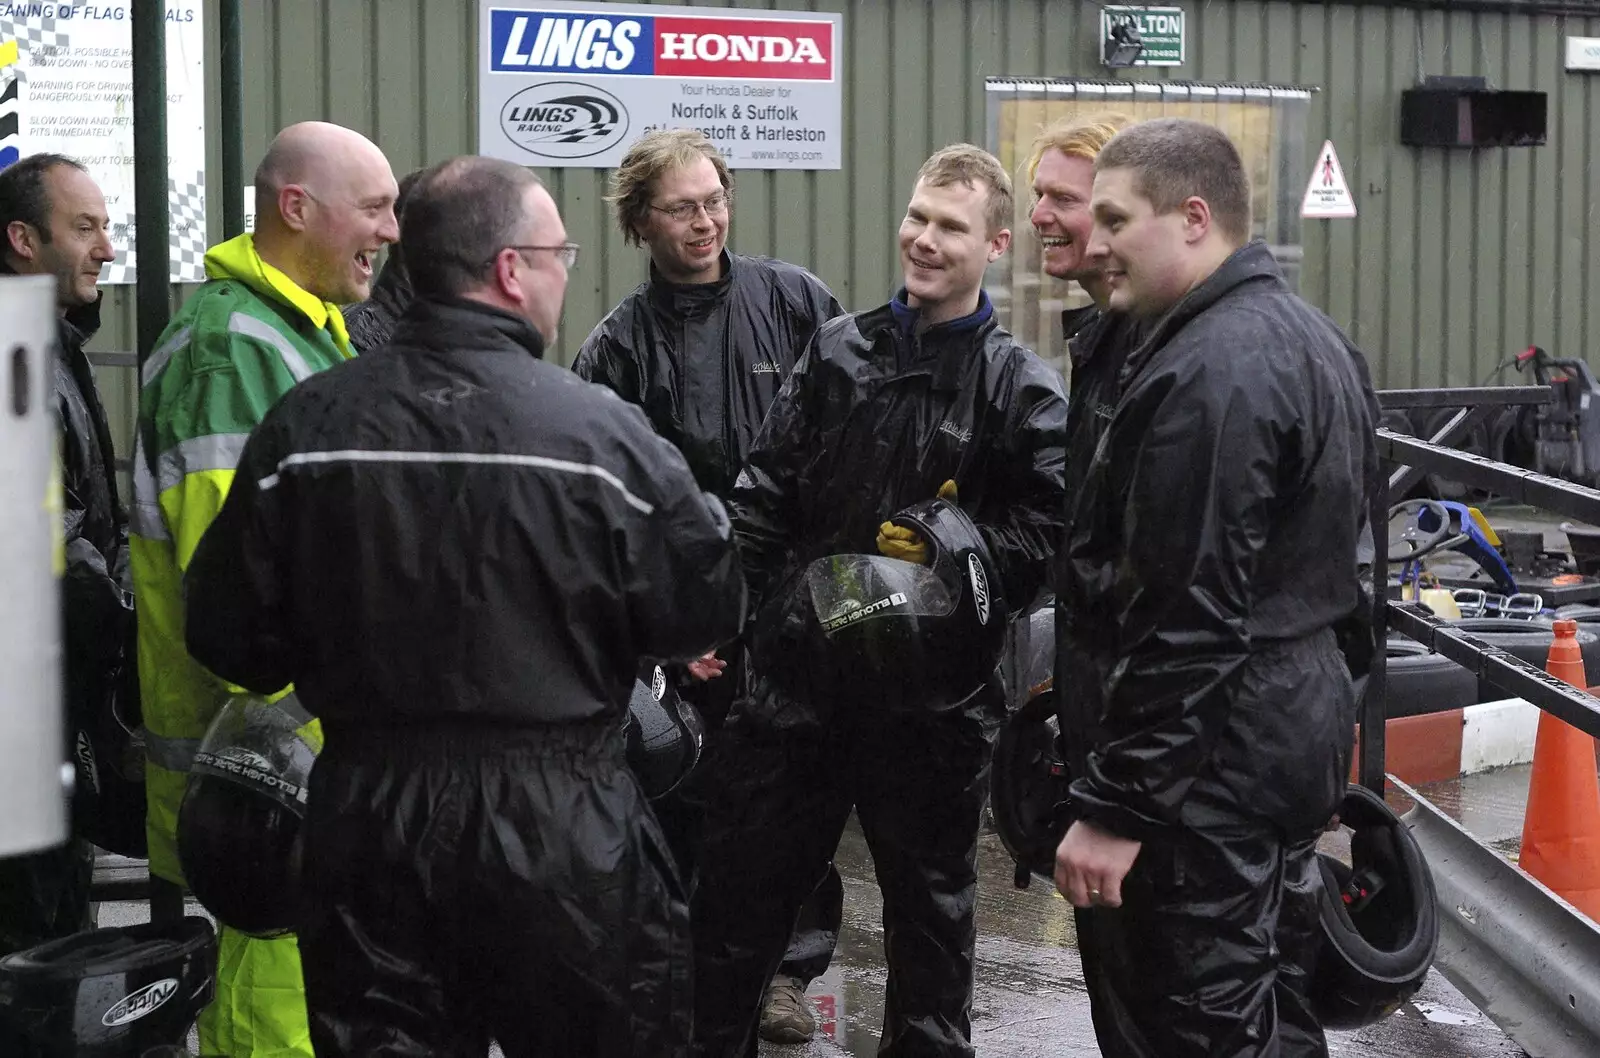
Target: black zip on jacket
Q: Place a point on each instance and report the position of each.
(458, 530)
(705, 360)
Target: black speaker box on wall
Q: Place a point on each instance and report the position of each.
(1472, 117)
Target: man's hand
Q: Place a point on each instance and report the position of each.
(1091, 864)
(707, 668)
(896, 541)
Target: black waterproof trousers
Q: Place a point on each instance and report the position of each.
(917, 783)
(1211, 950)
(45, 895)
(464, 884)
(681, 814)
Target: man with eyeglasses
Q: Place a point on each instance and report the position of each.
(267, 318)
(480, 860)
(703, 346)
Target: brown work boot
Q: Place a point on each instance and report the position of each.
(785, 1015)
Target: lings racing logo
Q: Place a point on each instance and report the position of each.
(564, 119)
(565, 42)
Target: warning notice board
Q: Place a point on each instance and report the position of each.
(1328, 193)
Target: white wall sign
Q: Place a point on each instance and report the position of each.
(1161, 29)
(1328, 195)
(568, 84)
(66, 86)
(1583, 53)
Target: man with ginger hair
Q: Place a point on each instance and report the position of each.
(1211, 581)
(267, 318)
(924, 396)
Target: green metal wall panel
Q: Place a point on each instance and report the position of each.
(1458, 258)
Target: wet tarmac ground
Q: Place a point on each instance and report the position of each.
(1030, 998)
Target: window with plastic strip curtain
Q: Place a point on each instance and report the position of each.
(1266, 122)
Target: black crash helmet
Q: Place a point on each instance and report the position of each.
(865, 628)
(663, 733)
(1379, 922)
(1028, 779)
(107, 993)
(240, 821)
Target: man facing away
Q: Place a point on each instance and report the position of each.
(1211, 581)
(925, 395)
(703, 346)
(266, 319)
(458, 553)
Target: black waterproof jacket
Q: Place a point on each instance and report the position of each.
(46, 895)
(458, 530)
(371, 323)
(1098, 344)
(97, 620)
(876, 416)
(1211, 555)
(705, 360)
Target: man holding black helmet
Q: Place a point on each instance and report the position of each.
(885, 410)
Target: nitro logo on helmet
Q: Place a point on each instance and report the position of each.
(658, 683)
(833, 624)
(980, 588)
(136, 1005)
(776, 49)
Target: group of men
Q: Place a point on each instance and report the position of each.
(457, 553)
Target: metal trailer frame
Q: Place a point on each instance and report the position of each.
(1527, 958)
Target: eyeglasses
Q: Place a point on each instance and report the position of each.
(715, 206)
(567, 250)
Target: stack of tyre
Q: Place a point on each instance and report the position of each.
(1418, 681)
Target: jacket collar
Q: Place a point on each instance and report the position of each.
(1252, 263)
(453, 324)
(692, 299)
(950, 344)
(1073, 321)
(237, 259)
(82, 320)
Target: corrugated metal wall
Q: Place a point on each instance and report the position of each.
(1457, 259)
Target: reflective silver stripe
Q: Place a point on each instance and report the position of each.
(239, 323)
(216, 451)
(158, 358)
(145, 517)
(173, 754)
(471, 458)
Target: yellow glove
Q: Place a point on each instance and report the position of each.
(896, 541)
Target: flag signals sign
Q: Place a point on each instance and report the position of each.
(575, 84)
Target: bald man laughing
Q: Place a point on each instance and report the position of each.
(266, 318)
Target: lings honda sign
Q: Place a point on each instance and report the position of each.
(576, 83)
(551, 42)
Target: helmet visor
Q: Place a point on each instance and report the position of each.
(847, 590)
(263, 745)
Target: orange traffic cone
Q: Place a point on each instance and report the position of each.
(1561, 831)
